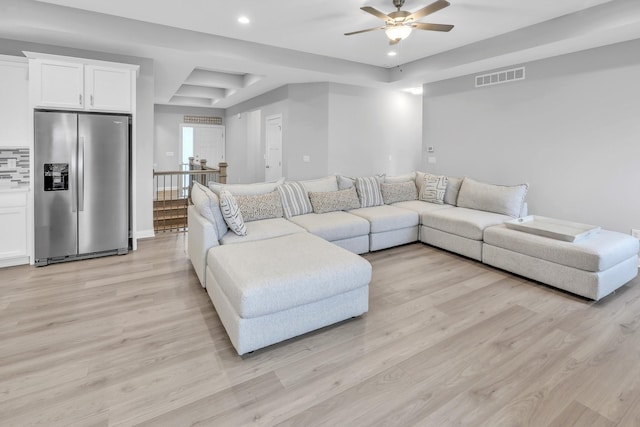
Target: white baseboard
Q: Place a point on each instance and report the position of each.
(13, 261)
(145, 234)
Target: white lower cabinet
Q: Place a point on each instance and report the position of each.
(13, 228)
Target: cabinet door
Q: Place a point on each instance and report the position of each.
(14, 104)
(108, 89)
(58, 84)
(13, 228)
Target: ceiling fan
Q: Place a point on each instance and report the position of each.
(399, 24)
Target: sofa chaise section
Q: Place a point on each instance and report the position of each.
(306, 283)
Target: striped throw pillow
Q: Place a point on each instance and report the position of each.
(295, 200)
(369, 191)
(231, 213)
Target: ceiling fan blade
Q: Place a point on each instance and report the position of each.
(376, 12)
(396, 41)
(427, 10)
(364, 31)
(432, 27)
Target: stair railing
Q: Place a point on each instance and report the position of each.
(172, 192)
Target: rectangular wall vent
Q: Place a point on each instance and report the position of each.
(500, 77)
(202, 120)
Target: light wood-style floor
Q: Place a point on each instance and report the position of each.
(134, 340)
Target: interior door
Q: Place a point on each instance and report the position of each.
(209, 144)
(103, 182)
(273, 144)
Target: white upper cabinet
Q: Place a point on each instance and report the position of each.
(14, 102)
(108, 89)
(82, 85)
(58, 84)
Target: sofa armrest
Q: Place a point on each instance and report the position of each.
(202, 235)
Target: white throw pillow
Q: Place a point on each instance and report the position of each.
(369, 191)
(295, 200)
(433, 188)
(232, 214)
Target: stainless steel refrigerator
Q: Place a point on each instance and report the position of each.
(82, 192)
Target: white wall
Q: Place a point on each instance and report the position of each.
(343, 129)
(373, 131)
(167, 120)
(245, 155)
(571, 129)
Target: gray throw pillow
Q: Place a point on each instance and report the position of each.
(369, 191)
(295, 200)
(330, 201)
(260, 206)
(207, 204)
(453, 188)
(398, 192)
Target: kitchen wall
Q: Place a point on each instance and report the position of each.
(571, 130)
(167, 121)
(144, 119)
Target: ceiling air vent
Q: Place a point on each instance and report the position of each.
(500, 77)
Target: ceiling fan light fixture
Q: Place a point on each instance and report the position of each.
(398, 32)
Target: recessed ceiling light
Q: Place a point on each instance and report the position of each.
(415, 90)
(392, 53)
(244, 20)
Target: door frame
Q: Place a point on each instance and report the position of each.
(195, 125)
(267, 119)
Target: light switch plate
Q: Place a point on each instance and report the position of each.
(306, 159)
(431, 160)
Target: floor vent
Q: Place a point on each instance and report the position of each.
(500, 77)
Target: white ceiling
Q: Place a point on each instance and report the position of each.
(291, 41)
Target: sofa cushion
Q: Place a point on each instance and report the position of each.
(411, 176)
(398, 192)
(345, 182)
(207, 203)
(308, 270)
(260, 206)
(463, 222)
(369, 191)
(501, 199)
(387, 218)
(295, 200)
(453, 189)
(420, 206)
(329, 183)
(333, 225)
(597, 252)
(246, 189)
(231, 213)
(433, 188)
(330, 201)
(263, 229)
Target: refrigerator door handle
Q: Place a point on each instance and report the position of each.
(73, 178)
(81, 175)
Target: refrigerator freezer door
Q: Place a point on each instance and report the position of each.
(103, 183)
(55, 185)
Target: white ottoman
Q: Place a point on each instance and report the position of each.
(270, 290)
(593, 267)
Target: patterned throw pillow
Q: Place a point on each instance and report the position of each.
(260, 206)
(330, 201)
(369, 191)
(231, 213)
(434, 188)
(398, 192)
(295, 200)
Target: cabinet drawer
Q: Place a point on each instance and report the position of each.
(13, 199)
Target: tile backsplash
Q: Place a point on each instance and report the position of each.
(10, 175)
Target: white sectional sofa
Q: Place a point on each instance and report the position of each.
(375, 213)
